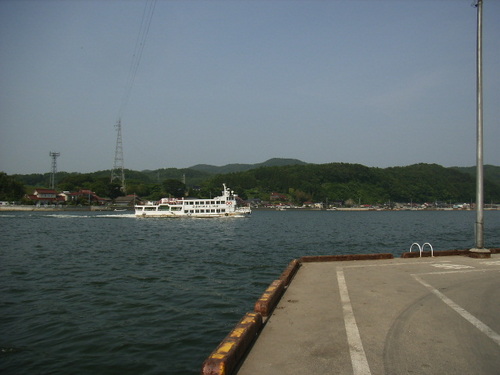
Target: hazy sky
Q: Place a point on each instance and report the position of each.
(376, 82)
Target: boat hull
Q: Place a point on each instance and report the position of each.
(141, 214)
(225, 205)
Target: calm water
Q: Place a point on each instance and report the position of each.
(111, 294)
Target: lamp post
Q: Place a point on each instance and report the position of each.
(479, 251)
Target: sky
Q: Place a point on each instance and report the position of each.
(376, 82)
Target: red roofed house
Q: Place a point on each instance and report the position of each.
(45, 196)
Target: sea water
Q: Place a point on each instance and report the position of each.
(108, 293)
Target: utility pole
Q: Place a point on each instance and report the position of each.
(479, 251)
(54, 156)
(118, 172)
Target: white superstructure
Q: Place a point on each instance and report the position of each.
(222, 206)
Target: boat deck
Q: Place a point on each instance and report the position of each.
(398, 316)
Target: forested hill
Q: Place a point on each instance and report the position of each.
(340, 181)
(230, 168)
(297, 180)
(491, 172)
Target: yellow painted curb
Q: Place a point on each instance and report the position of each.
(228, 354)
(266, 303)
(290, 272)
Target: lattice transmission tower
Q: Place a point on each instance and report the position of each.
(54, 156)
(118, 172)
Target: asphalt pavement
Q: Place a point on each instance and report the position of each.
(436, 315)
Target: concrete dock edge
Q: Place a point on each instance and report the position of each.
(290, 272)
(269, 299)
(465, 252)
(231, 351)
(416, 254)
(226, 357)
(340, 258)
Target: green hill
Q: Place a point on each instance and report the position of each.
(232, 168)
(491, 172)
(298, 180)
(358, 183)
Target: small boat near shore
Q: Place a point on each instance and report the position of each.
(225, 205)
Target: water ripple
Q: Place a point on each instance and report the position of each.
(110, 294)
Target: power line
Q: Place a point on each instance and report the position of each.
(147, 16)
(118, 171)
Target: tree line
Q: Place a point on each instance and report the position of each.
(417, 183)
(331, 182)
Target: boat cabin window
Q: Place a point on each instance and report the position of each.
(164, 208)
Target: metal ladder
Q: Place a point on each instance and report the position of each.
(421, 248)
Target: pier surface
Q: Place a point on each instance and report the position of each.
(397, 316)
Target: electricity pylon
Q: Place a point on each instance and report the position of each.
(54, 156)
(118, 172)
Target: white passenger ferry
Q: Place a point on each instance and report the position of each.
(225, 205)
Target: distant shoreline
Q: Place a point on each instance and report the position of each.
(363, 209)
(28, 208)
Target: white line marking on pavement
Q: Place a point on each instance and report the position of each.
(358, 356)
(450, 266)
(492, 263)
(447, 272)
(383, 264)
(463, 313)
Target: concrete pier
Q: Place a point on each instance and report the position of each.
(430, 315)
